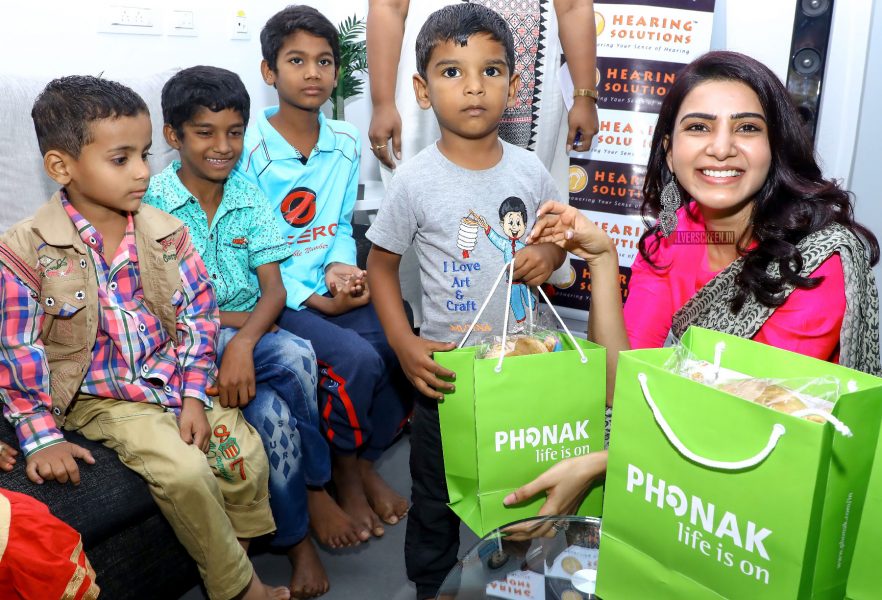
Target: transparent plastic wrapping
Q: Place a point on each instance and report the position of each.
(536, 337)
(793, 396)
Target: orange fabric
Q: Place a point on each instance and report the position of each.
(43, 556)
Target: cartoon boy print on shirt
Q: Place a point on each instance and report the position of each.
(513, 218)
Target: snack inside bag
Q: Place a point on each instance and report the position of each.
(537, 336)
(800, 397)
(520, 345)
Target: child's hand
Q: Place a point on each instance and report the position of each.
(194, 424)
(415, 356)
(235, 380)
(344, 300)
(534, 264)
(337, 275)
(7, 456)
(57, 462)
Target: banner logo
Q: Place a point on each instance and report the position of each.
(578, 179)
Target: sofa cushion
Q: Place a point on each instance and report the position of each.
(110, 496)
(24, 185)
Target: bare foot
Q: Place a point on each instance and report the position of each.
(351, 496)
(309, 578)
(386, 502)
(256, 590)
(330, 523)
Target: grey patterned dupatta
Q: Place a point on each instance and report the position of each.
(859, 337)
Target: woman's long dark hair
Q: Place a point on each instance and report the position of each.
(795, 199)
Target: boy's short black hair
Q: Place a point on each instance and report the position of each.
(67, 106)
(457, 23)
(190, 90)
(513, 204)
(290, 20)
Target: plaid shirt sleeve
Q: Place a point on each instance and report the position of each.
(198, 324)
(24, 372)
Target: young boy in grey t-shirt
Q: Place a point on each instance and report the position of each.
(467, 203)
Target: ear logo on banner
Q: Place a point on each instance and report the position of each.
(578, 179)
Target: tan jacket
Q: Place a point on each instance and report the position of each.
(46, 253)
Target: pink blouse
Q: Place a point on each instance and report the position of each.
(808, 322)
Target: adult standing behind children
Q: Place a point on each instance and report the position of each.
(108, 324)
(468, 187)
(537, 119)
(269, 373)
(308, 168)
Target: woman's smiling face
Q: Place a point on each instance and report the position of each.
(719, 149)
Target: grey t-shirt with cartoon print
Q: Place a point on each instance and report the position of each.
(465, 225)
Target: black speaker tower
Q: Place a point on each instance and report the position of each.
(808, 56)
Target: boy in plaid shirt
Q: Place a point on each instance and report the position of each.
(110, 298)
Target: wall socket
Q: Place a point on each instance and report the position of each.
(240, 27)
(138, 20)
(182, 22)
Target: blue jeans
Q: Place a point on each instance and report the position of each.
(364, 397)
(285, 414)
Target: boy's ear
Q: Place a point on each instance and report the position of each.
(171, 136)
(269, 76)
(58, 165)
(513, 85)
(421, 90)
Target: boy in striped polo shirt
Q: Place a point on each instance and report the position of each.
(308, 168)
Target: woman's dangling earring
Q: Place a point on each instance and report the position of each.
(670, 201)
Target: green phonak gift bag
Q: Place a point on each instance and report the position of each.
(865, 577)
(709, 495)
(512, 418)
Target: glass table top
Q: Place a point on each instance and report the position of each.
(546, 558)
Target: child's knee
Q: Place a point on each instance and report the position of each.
(189, 477)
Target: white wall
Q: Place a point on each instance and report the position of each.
(868, 158)
(51, 38)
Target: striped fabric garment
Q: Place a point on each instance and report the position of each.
(133, 357)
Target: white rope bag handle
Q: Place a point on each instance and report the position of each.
(838, 425)
(778, 429)
(510, 267)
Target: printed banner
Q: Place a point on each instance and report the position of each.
(641, 47)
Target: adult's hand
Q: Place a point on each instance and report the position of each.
(564, 484)
(385, 134)
(583, 124)
(567, 227)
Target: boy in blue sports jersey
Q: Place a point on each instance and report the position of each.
(308, 168)
(268, 373)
